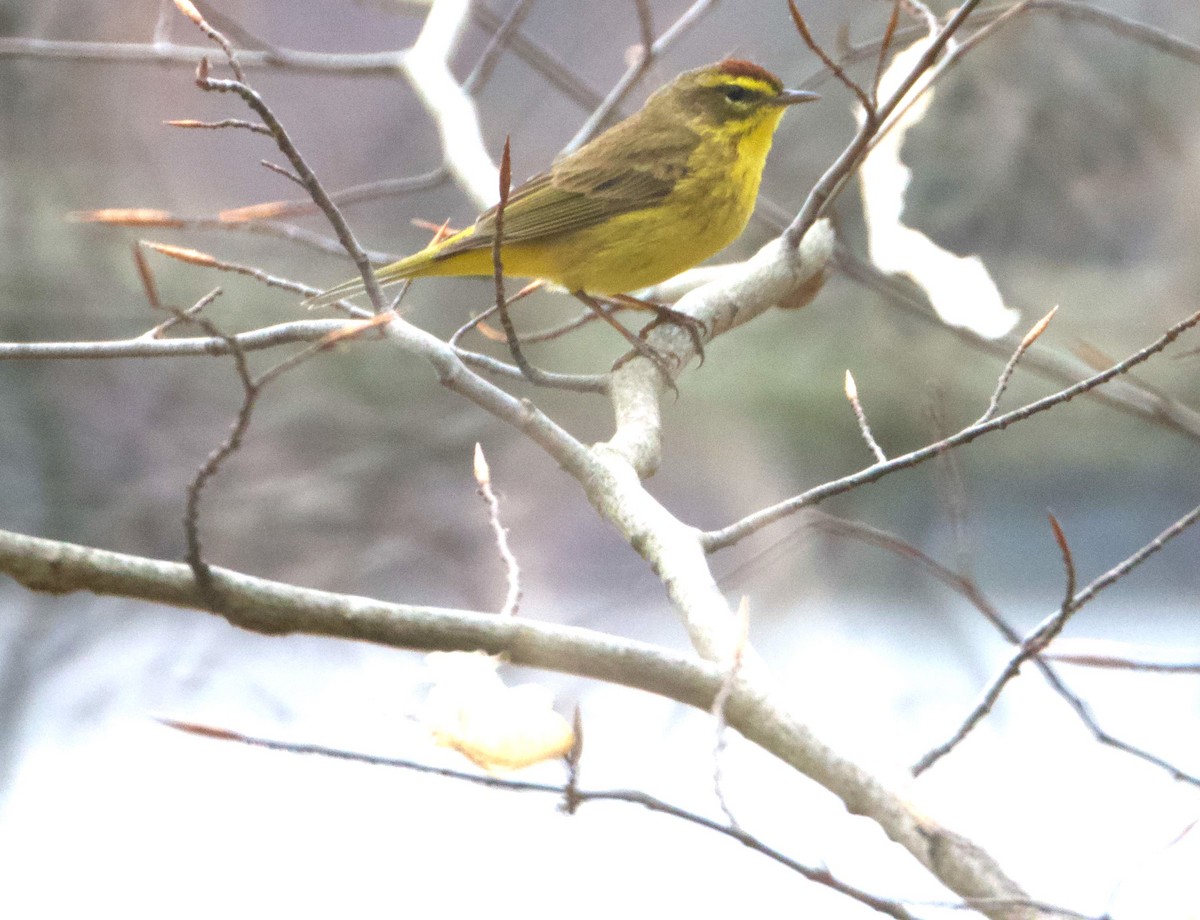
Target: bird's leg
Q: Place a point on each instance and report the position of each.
(640, 345)
(663, 314)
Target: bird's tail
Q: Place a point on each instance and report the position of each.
(386, 276)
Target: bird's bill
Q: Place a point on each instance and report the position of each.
(792, 96)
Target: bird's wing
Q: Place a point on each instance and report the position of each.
(578, 192)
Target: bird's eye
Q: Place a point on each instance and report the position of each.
(737, 93)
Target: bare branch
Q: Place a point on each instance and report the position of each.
(306, 176)
(282, 171)
(885, 45)
(968, 590)
(1048, 630)
(554, 71)
(573, 796)
(191, 517)
(241, 123)
(144, 346)
(1122, 393)
(727, 536)
(851, 157)
(574, 757)
(204, 260)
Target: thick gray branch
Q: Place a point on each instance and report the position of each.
(272, 607)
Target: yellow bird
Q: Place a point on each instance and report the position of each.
(655, 194)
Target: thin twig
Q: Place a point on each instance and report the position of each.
(1005, 375)
(550, 333)
(147, 346)
(345, 333)
(373, 65)
(282, 171)
(204, 260)
(154, 217)
(967, 588)
(951, 483)
(924, 13)
(482, 71)
(850, 158)
(512, 571)
(146, 274)
(1120, 656)
(851, 389)
(477, 321)
(251, 389)
(217, 125)
(885, 45)
(865, 99)
(532, 374)
(554, 71)
(189, 10)
(576, 383)
(307, 178)
(212, 464)
(955, 52)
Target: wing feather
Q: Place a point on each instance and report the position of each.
(583, 190)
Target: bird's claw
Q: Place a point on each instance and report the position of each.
(695, 328)
(664, 362)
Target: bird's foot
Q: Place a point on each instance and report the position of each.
(696, 329)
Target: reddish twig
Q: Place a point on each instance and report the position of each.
(865, 99)
(528, 371)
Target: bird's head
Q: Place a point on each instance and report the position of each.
(731, 94)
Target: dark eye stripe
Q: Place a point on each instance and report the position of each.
(739, 93)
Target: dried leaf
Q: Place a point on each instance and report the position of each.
(497, 727)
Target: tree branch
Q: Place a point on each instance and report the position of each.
(276, 608)
(727, 536)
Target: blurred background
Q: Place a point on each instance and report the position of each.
(1066, 156)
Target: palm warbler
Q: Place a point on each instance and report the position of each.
(650, 197)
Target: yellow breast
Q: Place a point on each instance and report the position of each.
(705, 212)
